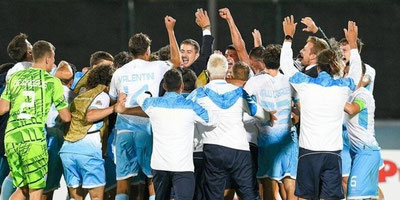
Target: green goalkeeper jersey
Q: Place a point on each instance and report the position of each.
(31, 93)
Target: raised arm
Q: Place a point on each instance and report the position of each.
(174, 48)
(286, 59)
(237, 39)
(257, 38)
(203, 21)
(313, 28)
(355, 70)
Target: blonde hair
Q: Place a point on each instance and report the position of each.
(217, 66)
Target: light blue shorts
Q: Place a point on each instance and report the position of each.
(133, 153)
(83, 170)
(54, 143)
(363, 179)
(345, 154)
(277, 157)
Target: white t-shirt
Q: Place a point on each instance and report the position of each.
(228, 102)
(361, 126)
(370, 73)
(172, 118)
(52, 125)
(18, 67)
(322, 102)
(273, 94)
(91, 143)
(133, 79)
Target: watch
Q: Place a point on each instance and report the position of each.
(288, 37)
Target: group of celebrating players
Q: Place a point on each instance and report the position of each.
(187, 122)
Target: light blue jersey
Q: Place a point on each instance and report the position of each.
(278, 145)
(364, 149)
(133, 79)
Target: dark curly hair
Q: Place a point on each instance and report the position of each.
(101, 74)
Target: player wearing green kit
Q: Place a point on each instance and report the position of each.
(28, 96)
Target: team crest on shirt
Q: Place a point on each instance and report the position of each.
(98, 102)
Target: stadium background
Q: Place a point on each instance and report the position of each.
(78, 28)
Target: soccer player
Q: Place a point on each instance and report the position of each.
(277, 145)
(369, 78)
(81, 153)
(20, 50)
(226, 148)
(56, 130)
(321, 122)
(4, 169)
(364, 149)
(133, 140)
(96, 59)
(29, 95)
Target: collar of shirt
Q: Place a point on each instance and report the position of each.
(310, 67)
(171, 94)
(218, 81)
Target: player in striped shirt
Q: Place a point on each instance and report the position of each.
(29, 95)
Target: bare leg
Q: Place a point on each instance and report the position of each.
(20, 193)
(47, 195)
(123, 186)
(229, 194)
(290, 185)
(345, 179)
(96, 193)
(76, 193)
(380, 194)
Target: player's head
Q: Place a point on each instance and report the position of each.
(189, 80)
(217, 66)
(189, 52)
(309, 53)
(100, 58)
(256, 58)
(173, 81)
(121, 59)
(329, 62)
(345, 47)
(43, 53)
(271, 57)
(231, 55)
(65, 73)
(241, 71)
(139, 46)
(102, 74)
(164, 53)
(19, 48)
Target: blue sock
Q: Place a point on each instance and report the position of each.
(7, 189)
(152, 197)
(121, 197)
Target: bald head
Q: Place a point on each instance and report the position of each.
(64, 73)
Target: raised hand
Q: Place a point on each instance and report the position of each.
(224, 13)
(257, 38)
(310, 25)
(202, 19)
(289, 26)
(169, 22)
(351, 34)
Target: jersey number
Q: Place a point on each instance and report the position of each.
(29, 95)
(353, 181)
